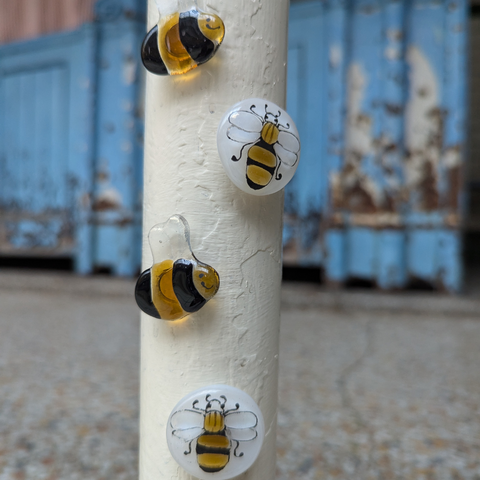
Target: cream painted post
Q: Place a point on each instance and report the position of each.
(233, 340)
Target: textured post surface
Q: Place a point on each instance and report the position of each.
(234, 339)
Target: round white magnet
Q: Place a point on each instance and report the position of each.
(216, 432)
(259, 146)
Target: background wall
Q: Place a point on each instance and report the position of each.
(71, 140)
(378, 91)
(24, 19)
(473, 171)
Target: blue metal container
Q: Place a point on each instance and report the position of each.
(378, 91)
(70, 149)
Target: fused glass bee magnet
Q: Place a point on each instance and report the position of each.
(182, 41)
(178, 283)
(259, 146)
(215, 432)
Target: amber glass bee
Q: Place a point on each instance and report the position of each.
(178, 283)
(182, 41)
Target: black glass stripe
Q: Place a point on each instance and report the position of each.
(184, 288)
(151, 55)
(199, 47)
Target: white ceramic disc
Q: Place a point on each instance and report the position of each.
(216, 432)
(259, 146)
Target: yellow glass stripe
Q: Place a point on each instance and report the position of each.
(172, 51)
(214, 422)
(258, 175)
(215, 441)
(263, 156)
(163, 296)
(270, 133)
(212, 461)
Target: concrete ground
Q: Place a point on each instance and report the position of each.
(372, 386)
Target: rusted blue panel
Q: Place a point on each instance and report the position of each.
(70, 143)
(391, 270)
(305, 195)
(396, 107)
(334, 238)
(118, 175)
(47, 89)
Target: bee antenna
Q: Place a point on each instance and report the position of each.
(207, 398)
(193, 405)
(255, 113)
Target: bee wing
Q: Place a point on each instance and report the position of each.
(188, 433)
(242, 435)
(187, 424)
(242, 136)
(241, 420)
(286, 156)
(246, 121)
(289, 141)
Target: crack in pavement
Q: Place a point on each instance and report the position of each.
(347, 401)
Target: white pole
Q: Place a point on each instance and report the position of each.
(233, 339)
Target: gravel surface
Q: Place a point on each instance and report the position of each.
(379, 396)
(364, 394)
(68, 387)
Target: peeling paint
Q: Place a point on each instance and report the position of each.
(394, 35)
(351, 188)
(302, 234)
(107, 199)
(44, 233)
(392, 53)
(359, 125)
(452, 162)
(424, 120)
(129, 70)
(335, 56)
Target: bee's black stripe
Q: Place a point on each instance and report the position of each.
(203, 449)
(143, 294)
(200, 48)
(150, 54)
(184, 288)
(210, 470)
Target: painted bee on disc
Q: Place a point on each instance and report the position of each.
(170, 290)
(182, 41)
(270, 144)
(216, 431)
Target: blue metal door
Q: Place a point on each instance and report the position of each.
(70, 143)
(46, 114)
(387, 142)
(307, 96)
